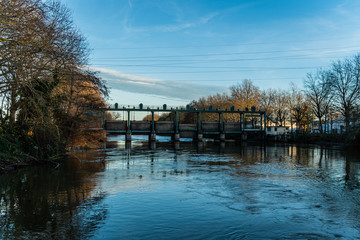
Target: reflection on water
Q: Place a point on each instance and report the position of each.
(53, 203)
(187, 191)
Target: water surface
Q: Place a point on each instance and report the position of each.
(187, 191)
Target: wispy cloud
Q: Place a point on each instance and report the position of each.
(180, 25)
(343, 16)
(163, 88)
(181, 18)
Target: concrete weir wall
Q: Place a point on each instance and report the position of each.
(114, 125)
(141, 126)
(137, 127)
(164, 126)
(167, 126)
(210, 127)
(232, 127)
(188, 131)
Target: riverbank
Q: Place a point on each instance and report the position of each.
(351, 139)
(18, 152)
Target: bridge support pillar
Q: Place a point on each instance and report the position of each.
(199, 137)
(176, 137)
(177, 145)
(200, 146)
(222, 147)
(243, 137)
(128, 136)
(222, 137)
(152, 137)
(152, 145)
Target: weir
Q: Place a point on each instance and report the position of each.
(220, 129)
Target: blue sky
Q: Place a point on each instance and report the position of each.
(174, 51)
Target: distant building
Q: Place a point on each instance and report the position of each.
(276, 131)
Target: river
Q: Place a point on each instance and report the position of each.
(187, 191)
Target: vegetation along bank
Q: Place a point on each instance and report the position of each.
(43, 85)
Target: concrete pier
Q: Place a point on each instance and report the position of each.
(222, 137)
(244, 137)
(128, 136)
(152, 137)
(176, 137)
(200, 137)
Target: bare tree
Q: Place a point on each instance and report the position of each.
(299, 109)
(267, 101)
(345, 84)
(217, 101)
(317, 89)
(43, 85)
(245, 94)
(281, 106)
(41, 51)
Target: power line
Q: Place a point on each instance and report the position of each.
(220, 71)
(227, 45)
(345, 49)
(211, 67)
(276, 58)
(212, 80)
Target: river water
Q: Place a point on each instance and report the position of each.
(187, 191)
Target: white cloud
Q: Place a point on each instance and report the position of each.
(186, 91)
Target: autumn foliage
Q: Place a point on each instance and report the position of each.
(44, 85)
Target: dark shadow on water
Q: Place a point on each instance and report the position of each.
(48, 203)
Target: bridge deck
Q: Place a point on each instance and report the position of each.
(197, 130)
(168, 128)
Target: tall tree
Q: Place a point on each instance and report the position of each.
(318, 91)
(267, 101)
(281, 106)
(41, 51)
(345, 83)
(217, 101)
(299, 109)
(245, 94)
(43, 84)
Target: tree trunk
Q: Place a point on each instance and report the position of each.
(347, 120)
(320, 126)
(13, 107)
